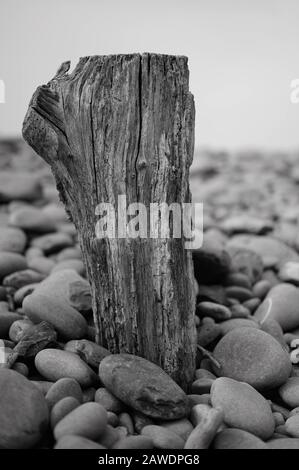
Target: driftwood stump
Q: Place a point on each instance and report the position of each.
(124, 125)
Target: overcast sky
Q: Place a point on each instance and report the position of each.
(243, 55)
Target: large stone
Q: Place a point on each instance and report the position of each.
(23, 411)
(243, 407)
(282, 304)
(253, 356)
(144, 386)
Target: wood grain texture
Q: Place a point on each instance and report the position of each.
(124, 125)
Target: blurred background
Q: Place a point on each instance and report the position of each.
(243, 55)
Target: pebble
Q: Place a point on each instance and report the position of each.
(243, 407)
(239, 293)
(273, 328)
(216, 311)
(182, 427)
(126, 421)
(22, 278)
(266, 247)
(23, 412)
(289, 272)
(52, 242)
(201, 386)
(253, 356)
(292, 425)
(88, 420)
(208, 331)
(245, 261)
(237, 439)
(12, 239)
(41, 264)
(163, 438)
(234, 323)
(238, 279)
(108, 400)
(246, 224)
(261, 289)
(31, 219)
(75, 264)
(6, 320)
(289, 392)
(19, 186)
(63, 407)
(281, 303)
(143, 386)
(68, 322)
(54, 364)
(252, 304)
(10, 263)
(91, 352)
(18, 328)
(65, 387)
(211, 262)
(239, 311)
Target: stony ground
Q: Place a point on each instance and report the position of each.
(59, 389)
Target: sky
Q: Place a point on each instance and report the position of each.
(243, 55)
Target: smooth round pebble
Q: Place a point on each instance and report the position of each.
(289, 392)
(54, 364)
(243, 407)
(253, 356)
(88, 420)
(65, 387)
(62, 408)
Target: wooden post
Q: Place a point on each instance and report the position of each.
(124, 125)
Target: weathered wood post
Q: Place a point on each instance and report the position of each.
(124, 125)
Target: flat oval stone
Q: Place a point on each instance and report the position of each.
(292, 425)
(12, 239)
(31, 219)
(23, 411)
(281, 303)
(237, 439)
(65, 387)
(54, 364)
(88, 420)
(144, 386)
(243, 407)
(289, 392)
(253, 356)
(10, 263)
(19, 186)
